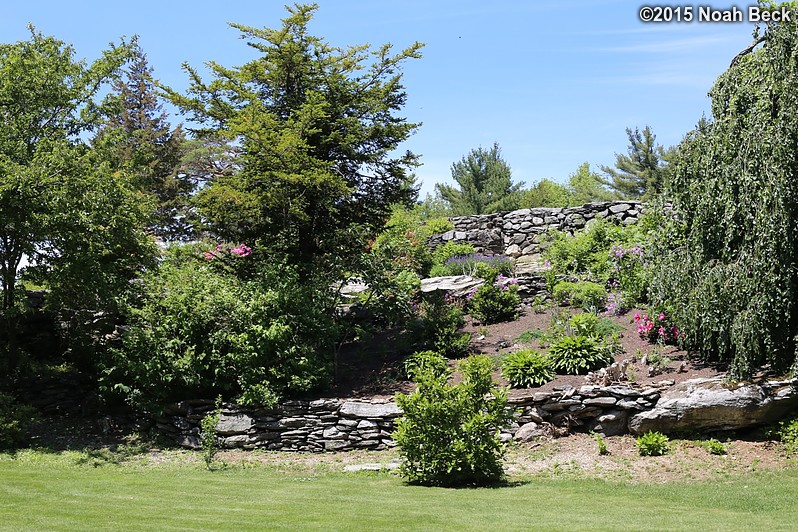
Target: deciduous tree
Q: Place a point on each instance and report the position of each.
(732, 281)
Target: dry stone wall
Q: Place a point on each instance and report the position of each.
(347, 424)
(518, 233)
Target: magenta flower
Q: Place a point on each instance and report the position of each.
(242, 250)
(661, 316)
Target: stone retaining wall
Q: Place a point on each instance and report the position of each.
(345, 424)
(517, 233)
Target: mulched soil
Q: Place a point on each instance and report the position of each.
(373, 368)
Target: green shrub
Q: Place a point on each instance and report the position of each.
(495, 301)
(390, 295)
(421, 361)
(584, 252)
(198, 332)
(15, 422)
(575, 355)
(653, 444)
(590, 296)
(527, 368)
(602, 444)
(403, 242)
(714, 446)
(788, 432)
(209, 438)
(585, 323)
(442, 319)
(449, 433)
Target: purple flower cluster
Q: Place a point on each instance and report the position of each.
(467, 263)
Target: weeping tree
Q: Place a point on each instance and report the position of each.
(732, 279)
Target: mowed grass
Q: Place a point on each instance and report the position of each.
(53, 496)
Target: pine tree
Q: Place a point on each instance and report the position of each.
(640, 173)
(585, 186)
(485, 182)
(138, 140)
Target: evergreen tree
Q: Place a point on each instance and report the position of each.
(546, 193)
(317, 130)
(640, 173)
(138, 140)
(485, 184)
(585, 186)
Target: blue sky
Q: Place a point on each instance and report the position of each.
(554, 83)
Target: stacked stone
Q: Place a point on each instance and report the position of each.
(310, 426)
(518, 233)
(601, 409)
(343, 424)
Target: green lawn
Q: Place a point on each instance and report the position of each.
(54, 495)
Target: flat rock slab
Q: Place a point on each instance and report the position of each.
(234, 424)
(456, 285)
(712, 404)
(363, 409)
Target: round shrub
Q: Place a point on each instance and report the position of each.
(653, 444)
(495, 301)
(527, 368)
(585, 294)
(575, 355)
(449, 433)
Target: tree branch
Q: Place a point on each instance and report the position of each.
(748, 50)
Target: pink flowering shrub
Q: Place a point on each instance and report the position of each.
(656, 328)
(496, 300)
(222, 250)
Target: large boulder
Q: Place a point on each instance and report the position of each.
(712, 404)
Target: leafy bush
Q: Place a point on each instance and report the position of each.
(788, 432)
(656, 328)
(588, 295)
(391, 293)
(585, 323)
(527, 368)
(715, 447)
(630, 271)
(15, 421)
(584, 252)
(653, 444)
(495, 301)
(449, 433)
(442, 319)
(403, 241)
(425, 361)
(575, 355)
(602, 444)
(209, 434)
(199, 333)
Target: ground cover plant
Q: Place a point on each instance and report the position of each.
(527, 368)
